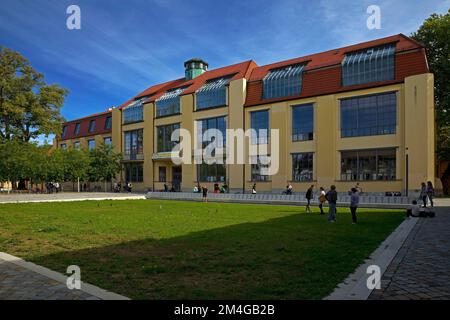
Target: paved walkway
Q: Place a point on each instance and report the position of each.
(67, 196)
(421, 268)
(21, 280)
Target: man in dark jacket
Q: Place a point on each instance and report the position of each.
(332, 200)
(309, 195)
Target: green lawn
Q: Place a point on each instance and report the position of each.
(187, 250)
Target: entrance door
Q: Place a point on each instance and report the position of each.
(176, 178)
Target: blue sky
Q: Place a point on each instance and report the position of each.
(125, 46)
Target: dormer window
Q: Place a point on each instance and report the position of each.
(64, 132)
(77, 129)
(283, 82)
(134, 112)
(169, 103)
(212, 94)
(92, 126)
(369, 65)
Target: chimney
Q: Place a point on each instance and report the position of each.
(194, 67)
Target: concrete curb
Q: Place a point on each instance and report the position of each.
(73, 200)
(355, 286)
(85, 287)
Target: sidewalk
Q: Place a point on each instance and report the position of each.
(21, 280)
(68, 197)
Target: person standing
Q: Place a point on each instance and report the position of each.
(205, 194)
(331, 197)
(430, 192)
(423, 194)
(254, 188)
(354, 203)
(308, 196)
(322, 199)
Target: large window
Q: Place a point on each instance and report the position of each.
(374, 164)
(369, 115)
(91, 144)
(169, 103)
(369, 65)
(303, 122)
(165, 143)
(134, 112)
(212, 94)
(77, 129)
(259, 122)
(108, 123)
(92, 126)
(302, 167)
(134, 172)
(134, 145)
(283, 82)
(212, 172)
(162, 174)
(260, 169)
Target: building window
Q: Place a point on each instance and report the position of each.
(369, 65)
(92, 125)
(260, 168)
(134, 172)
(369, 115)
(283, 82)
(162, 174)
(165, 143)
(63, 146)
(259, 123)
(134, 144)
(76, 145)
(211, 173)
(368, 165)
(108, 123)
(91, 144)
(212, 94)
(134, 112)
(169, 103)
(303, 122)
(204, 125)
(107, 141)
(77, 129)
(302, 167)
(64, 132)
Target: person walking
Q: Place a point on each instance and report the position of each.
(322, 199)
(354, 203)
(430, 192)
(308, 196)
(254, 188)
(423, 194)
(331, 197)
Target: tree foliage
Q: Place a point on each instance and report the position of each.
(434, 34)
(29, 107)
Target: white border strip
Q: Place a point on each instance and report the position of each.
(355, 286)
(73, 200)
(88, 288)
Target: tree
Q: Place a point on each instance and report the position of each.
(76, 164)
(434, 34)
(28, 106)
(104, 163)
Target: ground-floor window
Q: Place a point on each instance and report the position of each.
(134, 172)
(302, 167)
(162, 174)
(211, 172)
(260, 169)
(373, 164)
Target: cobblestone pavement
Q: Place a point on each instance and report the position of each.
(67, 196)
(421, 268)
(18, 283)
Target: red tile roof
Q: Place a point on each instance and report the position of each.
(322, 74)
(237, 71)
(84, 122)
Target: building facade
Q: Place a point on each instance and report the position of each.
(362, 113)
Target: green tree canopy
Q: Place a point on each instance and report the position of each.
(434, 34)
(29, 107)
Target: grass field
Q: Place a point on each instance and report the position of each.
(186, 250)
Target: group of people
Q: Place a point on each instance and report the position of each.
(52, 187)
(427, 193)
(204, 190)
(331, 197)
(117, 187)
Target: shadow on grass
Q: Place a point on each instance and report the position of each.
(294, 257)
